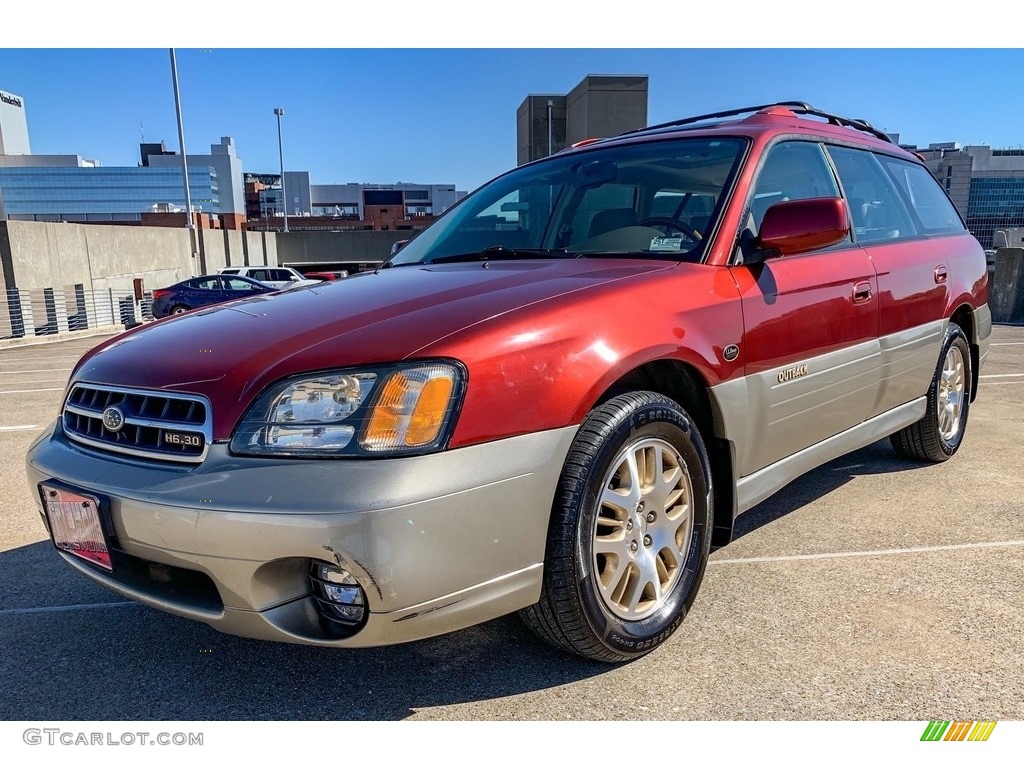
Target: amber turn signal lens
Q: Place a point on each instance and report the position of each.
(411, 410)
(428, 416)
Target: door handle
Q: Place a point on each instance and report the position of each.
(862, 293)
(940, 274)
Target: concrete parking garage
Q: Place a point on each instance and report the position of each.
(871, 588)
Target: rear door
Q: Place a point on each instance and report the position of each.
(911, 266)
(810, 320)
(206, 290)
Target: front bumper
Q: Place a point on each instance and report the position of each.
(437, 542)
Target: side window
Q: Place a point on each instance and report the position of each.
(206, 283)
(260, 274)
(794, 170)
(934, 210)
(877, 209)
(234, 284)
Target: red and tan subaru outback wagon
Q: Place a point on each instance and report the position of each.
(554, 400)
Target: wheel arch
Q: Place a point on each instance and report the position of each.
(684, 383)
(963, 316)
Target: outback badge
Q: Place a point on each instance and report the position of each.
(792, 373)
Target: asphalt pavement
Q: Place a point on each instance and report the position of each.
(871, 588)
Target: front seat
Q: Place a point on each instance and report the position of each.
(614, 218)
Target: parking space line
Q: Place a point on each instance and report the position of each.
(871, 552)
(27, 391)
(35, 370)
(1002, 376)
(61, 608)
(19, 428)
(1008, 343)
(19, 358)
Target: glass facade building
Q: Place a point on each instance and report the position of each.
(113, 194)
(995, 202)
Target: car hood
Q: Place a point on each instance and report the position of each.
(231, 351)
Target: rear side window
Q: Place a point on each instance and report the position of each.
(922, 191)
(229, 271)
(206, 283)
(876, 207)
(237, 284)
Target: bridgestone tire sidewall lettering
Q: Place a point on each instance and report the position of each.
(673, 426)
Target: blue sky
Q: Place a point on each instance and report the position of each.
(433, 116)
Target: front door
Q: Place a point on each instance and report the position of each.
(811, 323)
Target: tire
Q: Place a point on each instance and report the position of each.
(599, 598)
(938, 434)
(179, 309)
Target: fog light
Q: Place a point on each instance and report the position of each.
(338, 594)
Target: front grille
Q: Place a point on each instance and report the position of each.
(153, 424)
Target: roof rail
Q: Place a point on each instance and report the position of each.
(798, 107)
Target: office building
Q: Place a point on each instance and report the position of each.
(227, 167)
(345, 206)
(598, 107)
(72, 188)
(13, 125)
(99, 194)
(985, 184)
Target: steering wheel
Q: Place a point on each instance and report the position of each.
(678, 226)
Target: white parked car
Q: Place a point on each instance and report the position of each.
(276, 277)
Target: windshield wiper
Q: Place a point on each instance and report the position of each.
(500, 252)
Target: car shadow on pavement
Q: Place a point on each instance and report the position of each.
(879, 458)
(131, 662)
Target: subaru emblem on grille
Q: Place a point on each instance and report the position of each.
(113, 419)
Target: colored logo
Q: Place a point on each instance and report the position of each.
(958, 730)
(113, 419)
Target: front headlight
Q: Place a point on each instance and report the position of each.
(375, 411)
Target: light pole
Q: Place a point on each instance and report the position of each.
(184, 156)
(280, 151)
(551, 109)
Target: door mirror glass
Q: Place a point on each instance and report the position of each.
(798, 226)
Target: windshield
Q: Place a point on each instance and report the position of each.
(656, 199)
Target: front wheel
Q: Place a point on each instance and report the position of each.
(938, 435)
(630, 531)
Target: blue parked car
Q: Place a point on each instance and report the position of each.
(203, 290)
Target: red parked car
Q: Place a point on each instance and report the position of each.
(554, 399)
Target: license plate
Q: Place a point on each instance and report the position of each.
(75, 524)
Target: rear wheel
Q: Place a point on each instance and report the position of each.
(938, 435)
(179, 309)
(630, 531)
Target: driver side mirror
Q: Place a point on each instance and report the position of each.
(799, 226)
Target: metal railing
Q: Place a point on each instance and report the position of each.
(47, 311)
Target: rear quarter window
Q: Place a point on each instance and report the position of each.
(934, 210)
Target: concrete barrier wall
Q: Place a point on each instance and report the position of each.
(212, 253)
(297, 248)
(234, 247)
(37, 255)
(1006, 294)
(252, 249)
